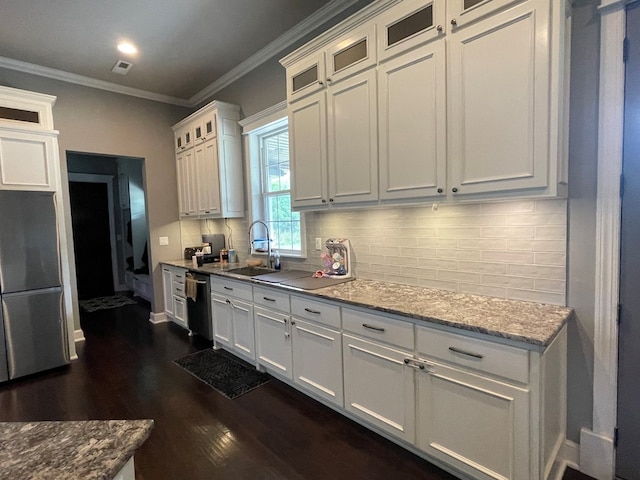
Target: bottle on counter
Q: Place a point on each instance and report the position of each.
(276, 260)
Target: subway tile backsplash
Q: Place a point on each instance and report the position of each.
(514, 249)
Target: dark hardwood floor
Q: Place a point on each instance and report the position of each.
(126, 371)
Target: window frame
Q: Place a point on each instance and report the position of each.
(255, 128)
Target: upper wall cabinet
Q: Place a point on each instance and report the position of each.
(28, 143)
(470, 103)
(333, 124)
(209, 163)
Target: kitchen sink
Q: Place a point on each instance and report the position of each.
(251, 271)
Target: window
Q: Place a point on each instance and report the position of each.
(270, 179)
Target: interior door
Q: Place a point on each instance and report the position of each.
(627, 458)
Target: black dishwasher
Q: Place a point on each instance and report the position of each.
(199, 310)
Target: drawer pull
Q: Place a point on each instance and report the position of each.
(468, 354)
(228, 288)
(413, 364)
(312, 311)
(269, 299)
(371, 327)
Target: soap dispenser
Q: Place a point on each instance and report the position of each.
(276, 260)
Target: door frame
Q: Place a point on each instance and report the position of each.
(597, 449)
(108, 179)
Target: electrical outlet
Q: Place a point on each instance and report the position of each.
(318, 243)
(164, 240)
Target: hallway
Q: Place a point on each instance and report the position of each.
(126, 371)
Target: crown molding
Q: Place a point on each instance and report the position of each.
(63, 76)
(312, 22)
(265, 117)
(296, 33)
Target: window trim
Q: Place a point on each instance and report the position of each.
(254, 127)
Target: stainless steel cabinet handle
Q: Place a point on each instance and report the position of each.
(454, 22)
(228, 288)
(371, 327)
(468, 354)
(439, 28)
(269, 299)
(312, 311)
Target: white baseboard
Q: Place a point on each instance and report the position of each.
(78, 336)
(596, 455)
(570, 454)
(156, 318)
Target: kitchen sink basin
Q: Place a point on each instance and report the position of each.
(251, 271)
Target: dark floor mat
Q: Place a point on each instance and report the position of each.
(105, 303)
(223, 372)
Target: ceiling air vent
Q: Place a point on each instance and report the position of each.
(121, 67)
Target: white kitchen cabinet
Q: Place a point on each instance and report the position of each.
(173, 289)
(207, 177)
(475, 423)
(470, 390)
(27, 160)
(412, 129)
(471, 105)
(333, 123)
(167, 291)
(185, 170)
(273, 341)
(378, 387)
(500, 102)
(317, 348)
(232, 312)
(209, 165)
(273, 330)
(233, 325)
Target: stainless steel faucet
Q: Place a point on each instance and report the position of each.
(266, 227)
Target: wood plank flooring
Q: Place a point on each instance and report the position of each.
(126, 371)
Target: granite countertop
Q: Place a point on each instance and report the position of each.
(69, 450)
(534, 324)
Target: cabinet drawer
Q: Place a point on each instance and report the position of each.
(179, 276)
(271, 299)
(492, 358)
(230, 287)
(377, 327)
(178, 289)
(321, 312)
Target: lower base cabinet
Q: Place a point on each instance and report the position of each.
(273, 341)
(378, 387)
(317, 360)
(474, 423)
(175, 301)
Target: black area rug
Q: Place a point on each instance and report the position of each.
(225, 373)
(104, 303)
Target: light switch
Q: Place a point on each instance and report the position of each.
(164, 240)
(318, 243)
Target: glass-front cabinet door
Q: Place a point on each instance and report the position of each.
(204, 128)
(306, 77)
(462, 12)
(409, 24)
(351, 54)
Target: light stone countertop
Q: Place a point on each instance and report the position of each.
(87, 450)
(534, 324)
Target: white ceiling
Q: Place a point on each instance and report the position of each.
(188, 49)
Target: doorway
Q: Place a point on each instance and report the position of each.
(628, 421)
(114, 188)
(92, 224)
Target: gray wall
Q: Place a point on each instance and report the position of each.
(95, 121)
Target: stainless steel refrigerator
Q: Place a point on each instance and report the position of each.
(32, 321)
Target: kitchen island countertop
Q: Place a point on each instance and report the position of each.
(84, 450)
(534, 324)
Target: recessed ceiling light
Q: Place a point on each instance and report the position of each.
(128, 48)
